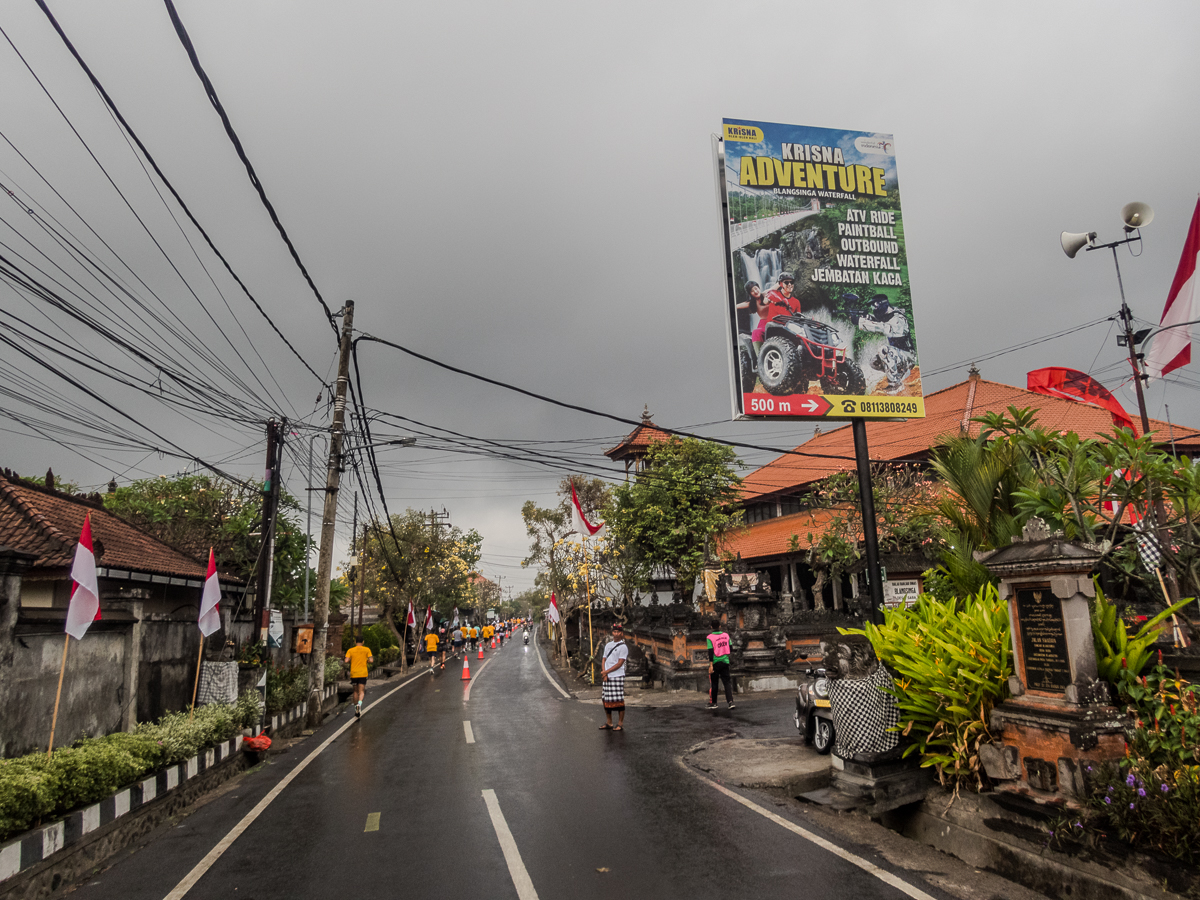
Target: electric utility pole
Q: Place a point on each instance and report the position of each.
(316, 660)
(266, 555)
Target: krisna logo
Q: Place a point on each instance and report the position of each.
(883, 146)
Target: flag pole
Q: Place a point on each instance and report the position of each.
(58, 693)
(196, 683)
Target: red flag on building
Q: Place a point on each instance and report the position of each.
(1072, 384)
(84, 607)
(210, 599)
(1173, 348)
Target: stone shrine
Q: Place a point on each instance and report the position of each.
(1060, 715)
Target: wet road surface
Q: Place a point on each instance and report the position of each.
(512, 793)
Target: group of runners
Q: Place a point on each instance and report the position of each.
(453, 637)
(457, 638)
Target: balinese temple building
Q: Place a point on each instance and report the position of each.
(780, 607)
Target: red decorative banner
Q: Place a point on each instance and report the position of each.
(1071, 384)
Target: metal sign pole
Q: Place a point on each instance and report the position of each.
(870, 532)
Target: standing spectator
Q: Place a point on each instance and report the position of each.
(613, 675)
(718, 665)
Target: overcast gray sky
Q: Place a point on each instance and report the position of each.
(525, 190)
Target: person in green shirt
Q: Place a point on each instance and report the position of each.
(718, 665)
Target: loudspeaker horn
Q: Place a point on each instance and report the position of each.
(1073, 243)
(1136, 215)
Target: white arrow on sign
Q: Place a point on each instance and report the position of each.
(810, 405)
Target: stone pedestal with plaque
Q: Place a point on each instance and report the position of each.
(1060, 716)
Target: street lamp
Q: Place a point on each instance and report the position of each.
(1133, 216)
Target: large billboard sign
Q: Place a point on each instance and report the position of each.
(820, 311)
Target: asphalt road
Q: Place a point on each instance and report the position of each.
(529, 800)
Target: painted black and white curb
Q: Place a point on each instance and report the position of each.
(35, 846)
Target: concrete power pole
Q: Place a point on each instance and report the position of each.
(266, 554)
(316, 662)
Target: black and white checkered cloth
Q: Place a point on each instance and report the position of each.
(863, 713)
(613, 691)
(1147, 541)
(218, 683)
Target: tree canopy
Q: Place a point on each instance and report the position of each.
(678, 507)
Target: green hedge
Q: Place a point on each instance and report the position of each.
(36, 787)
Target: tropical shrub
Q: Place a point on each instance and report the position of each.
(952, 661)
(333, 669)
(36, 786)
(1166, 711)
(1117, 652)
(286, 687)
(1152, 808)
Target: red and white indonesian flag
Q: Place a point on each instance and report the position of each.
(84, 608)
(429, 618)
(210, 600)
(411, 620)
(552, 611)
(579, 521)
(1173, 348)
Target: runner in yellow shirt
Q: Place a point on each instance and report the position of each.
(358, 656)
(431, 648)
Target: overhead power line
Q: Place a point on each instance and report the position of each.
(211, 92)
(174, 193)
(592, 412)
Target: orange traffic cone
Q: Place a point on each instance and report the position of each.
(466, 669)
(481, 651)
(493, 643)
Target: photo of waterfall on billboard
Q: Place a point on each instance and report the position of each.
(820, 307)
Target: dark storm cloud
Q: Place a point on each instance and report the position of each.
(526, 190)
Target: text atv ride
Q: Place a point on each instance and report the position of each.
(797, 350)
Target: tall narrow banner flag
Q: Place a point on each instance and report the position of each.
(84, 607)
(1071, 384)
(552, 611)
(428, 618)
(1173, 348)
(411, 620)
(454, 624)
(579, 521)
(210, 599)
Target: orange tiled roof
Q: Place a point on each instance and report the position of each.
(945, 412)
(774, 536)
(47, 524)
(638, 441)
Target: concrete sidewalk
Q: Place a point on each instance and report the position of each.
(784, 764)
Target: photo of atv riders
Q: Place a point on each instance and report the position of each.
(801, 332)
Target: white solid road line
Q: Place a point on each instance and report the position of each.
(470, 734)
(867, 866)
(474, 678)
(545, 671)
(512, 855)
(226, 842)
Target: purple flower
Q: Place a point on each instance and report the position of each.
(1141, 792)
(1165, 789)
(1130, 780)
(1131, 806)
(1108, 800)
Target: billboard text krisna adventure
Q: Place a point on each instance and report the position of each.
(817, 275)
